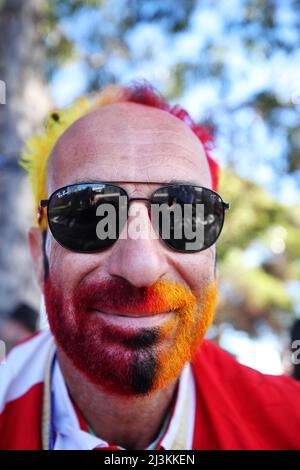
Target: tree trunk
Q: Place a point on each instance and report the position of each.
(26, 103)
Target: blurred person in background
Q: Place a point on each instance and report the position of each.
(18, 326)
(125, 364)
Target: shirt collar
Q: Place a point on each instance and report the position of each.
(178, 433)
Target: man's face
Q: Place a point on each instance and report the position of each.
(157, 302)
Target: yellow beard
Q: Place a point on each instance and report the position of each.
(185, 330)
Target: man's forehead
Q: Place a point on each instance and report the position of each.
(127, 141)
(119, 121)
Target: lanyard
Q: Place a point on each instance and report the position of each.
(48, 428)
(48, 433)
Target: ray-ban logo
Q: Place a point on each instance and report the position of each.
(2, 92)
(2, 352)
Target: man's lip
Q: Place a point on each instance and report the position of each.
(136, 320)
(129, 314)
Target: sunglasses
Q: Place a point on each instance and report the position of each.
(90, 217)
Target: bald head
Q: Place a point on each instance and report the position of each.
(128, 142)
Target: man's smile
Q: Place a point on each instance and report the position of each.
(135, 319)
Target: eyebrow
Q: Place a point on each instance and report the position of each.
(171, 181)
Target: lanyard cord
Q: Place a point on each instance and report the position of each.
(48, 403)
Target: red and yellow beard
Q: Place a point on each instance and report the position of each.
(129, 360)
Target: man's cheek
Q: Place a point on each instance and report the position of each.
(198, 270)
(59, 308)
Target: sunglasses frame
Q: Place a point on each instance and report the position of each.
(44, 203)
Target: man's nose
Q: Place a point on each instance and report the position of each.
(138, 256)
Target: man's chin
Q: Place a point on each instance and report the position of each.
(123, 362)
(127, 369)
(126, 361)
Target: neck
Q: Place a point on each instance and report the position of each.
(130, 422)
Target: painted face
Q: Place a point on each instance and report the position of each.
(126, 356)
(131, 316)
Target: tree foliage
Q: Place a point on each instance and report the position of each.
(258, 254)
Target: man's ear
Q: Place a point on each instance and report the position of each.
(35, 239)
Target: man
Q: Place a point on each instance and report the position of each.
(18, 326)
(125, 365)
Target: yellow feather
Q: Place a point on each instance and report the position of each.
(38, 148)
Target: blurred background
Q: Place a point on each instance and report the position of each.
(234, 66)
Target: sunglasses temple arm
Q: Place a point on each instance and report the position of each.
(40, 212)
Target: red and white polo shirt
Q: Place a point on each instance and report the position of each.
(220, 404)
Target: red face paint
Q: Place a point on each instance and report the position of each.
(128, 359)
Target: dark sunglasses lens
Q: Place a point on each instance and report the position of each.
(188, 218)
(86, 217)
